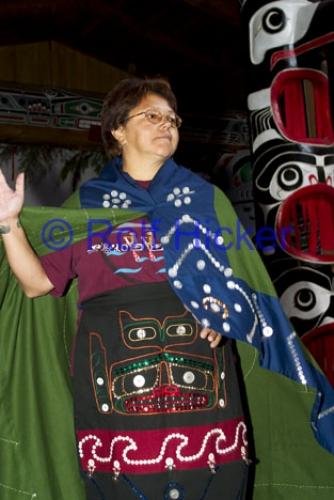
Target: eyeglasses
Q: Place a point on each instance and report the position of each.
(156, 117)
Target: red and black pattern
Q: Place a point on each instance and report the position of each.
(152, 398)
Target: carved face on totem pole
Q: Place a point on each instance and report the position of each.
(291, 44)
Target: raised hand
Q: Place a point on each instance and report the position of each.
(22, 259)
(11, 200)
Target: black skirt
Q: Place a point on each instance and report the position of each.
(158, 413)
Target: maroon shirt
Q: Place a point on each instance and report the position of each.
(131, 255)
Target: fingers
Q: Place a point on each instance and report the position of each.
(212, 337)
(19, 185)
(214, 343)
(204, 333)
(11, 201)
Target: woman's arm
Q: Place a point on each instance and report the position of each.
(23, 261)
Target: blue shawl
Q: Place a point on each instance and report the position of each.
(215, 270)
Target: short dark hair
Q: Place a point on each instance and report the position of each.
(122, 99)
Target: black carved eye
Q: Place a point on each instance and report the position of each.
(305, 299)
(289, 178)
(274, 20)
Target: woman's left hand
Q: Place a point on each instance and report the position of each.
(213, 337)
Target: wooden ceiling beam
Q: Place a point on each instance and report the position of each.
(227, 11)
(72, 21)
(157, 35)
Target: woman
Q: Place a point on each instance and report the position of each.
(157, 410)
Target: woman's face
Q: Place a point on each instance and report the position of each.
(140, 139)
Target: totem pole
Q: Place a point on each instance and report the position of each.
(291, 44)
